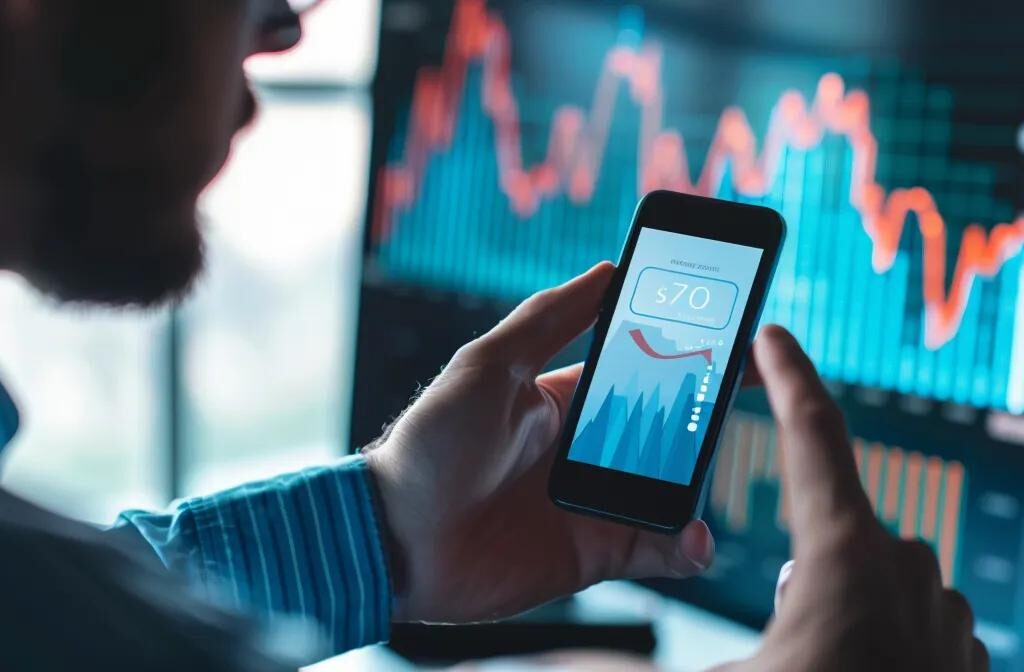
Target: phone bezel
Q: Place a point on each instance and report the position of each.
(639, 500)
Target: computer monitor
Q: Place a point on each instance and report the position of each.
(512, 140)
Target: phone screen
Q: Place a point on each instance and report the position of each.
(659, 373)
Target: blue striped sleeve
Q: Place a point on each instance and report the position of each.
(304, 545)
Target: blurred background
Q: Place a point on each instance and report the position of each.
(252, 375)
(366, 227)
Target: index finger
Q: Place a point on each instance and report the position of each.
(751, 375)
(541, 326)
(819, 468)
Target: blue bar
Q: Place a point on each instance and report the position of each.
(978, 384)
(481, 183)
(1002, 350)
(925, 382)
(437, 201)
(858, 321)
(965, 343)
(457, 165)
(793, 191)
(820, 248)
(894, 309)
(848, 225)
(945, 366)
(872, 338)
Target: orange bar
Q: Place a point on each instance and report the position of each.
(911, 491)
(933, 480)
(891, 500)
(739, 490)
(874, 477)
(950, 537)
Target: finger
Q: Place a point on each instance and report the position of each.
(783, 582)
(923, 574)
(958, 627)
(819, 467)
(560, 385)
(548, 321)
(751, 375)
(980, 661)
(677, 556)
(958, 610)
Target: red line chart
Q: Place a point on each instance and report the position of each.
(578, 138)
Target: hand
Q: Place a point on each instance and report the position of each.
(463, 479)
(856, 598)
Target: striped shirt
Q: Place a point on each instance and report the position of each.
(304, 545)
(298, 548)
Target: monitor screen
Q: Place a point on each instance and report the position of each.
(512, 141)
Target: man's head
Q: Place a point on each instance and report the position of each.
(114, 115)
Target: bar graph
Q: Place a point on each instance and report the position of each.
(885, 286)
(513, 138)
(927, 476)
(913, 494)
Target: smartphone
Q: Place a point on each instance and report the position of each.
(666, 361)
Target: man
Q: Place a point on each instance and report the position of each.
(114, 114)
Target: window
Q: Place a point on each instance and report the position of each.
(92, 434)
(268, 339)
(259, 361)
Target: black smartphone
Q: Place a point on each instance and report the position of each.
(669, 349)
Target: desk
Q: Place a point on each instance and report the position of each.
(689, 639)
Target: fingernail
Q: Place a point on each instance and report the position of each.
(780, 586)
(770, 332)
(784, 572)
(700, 551)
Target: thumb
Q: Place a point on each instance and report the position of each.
(675, 556)
(549, 320)
(818, 466)
(560, 385)
(782, 583)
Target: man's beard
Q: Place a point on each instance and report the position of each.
(124, 239)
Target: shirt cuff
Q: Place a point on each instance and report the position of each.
(306, 544)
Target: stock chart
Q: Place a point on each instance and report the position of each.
(661, 367)
(513, 140)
